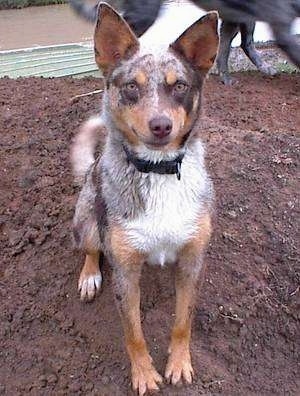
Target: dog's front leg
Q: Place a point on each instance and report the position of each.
(126, 276)
(188, 269)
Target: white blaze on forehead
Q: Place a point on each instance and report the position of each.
(155, 102)
(159, 53)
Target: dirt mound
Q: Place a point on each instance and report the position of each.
(246, 327)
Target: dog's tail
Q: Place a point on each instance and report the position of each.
(86, 11)
(91, 133)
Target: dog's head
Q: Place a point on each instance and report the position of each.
(154, 98)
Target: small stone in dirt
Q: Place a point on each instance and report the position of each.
(250, 137)
(28, 388)
(243, 331)
(28, 179)
(258, 260)
(105, 380)
(67, 324)
(51, 379)
(263, 130)
(205, 378)
(73, 332)
(74, 386)
(59, 316)
(88, 387)
(232, 214)
(16, 237)
(57, 365)
(42, 381)
(65, 354)
(33, 290)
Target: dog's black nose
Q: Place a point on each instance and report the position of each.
(160, 126)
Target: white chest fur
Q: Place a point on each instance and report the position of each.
(172, 211)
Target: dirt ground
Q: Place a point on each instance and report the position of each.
(246, 327)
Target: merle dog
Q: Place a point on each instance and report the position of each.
(147, 197)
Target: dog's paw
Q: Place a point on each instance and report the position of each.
(179, 366)
(89, 285)
(144, 377)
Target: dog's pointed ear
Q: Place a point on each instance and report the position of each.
(199, 43)
(113, 39)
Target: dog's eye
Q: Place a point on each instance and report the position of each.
(131, 86)
(180, 87)
(130, 92)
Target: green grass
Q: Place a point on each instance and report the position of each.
(7, 4)
(286, 68)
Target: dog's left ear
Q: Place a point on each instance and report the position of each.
(113, 39)
(199, 43)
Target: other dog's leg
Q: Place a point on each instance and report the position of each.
(247, 31)
(287, 42)
(90, 278)
(126, 276)
(187, 273)
(228, 31)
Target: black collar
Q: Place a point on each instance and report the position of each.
(171, 167)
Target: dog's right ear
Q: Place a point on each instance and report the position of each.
(113, 39)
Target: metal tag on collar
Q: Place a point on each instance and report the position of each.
(178, 170)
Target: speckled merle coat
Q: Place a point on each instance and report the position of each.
(151, 109)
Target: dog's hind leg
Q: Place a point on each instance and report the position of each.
(247, 31)
(287, 42)
(87, 238)
(188, 269)
(228, 31)
(90, 278)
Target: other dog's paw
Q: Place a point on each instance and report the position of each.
(227, 79)
(144, 376)
(89, 284)
(179, 365)
(268, 69)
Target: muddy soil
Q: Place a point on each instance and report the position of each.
(246, 328)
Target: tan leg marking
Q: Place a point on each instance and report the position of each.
(90, 278)
(126, 276)
(179, 364)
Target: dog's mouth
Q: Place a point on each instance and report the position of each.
(157, 145)
(154, 143)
